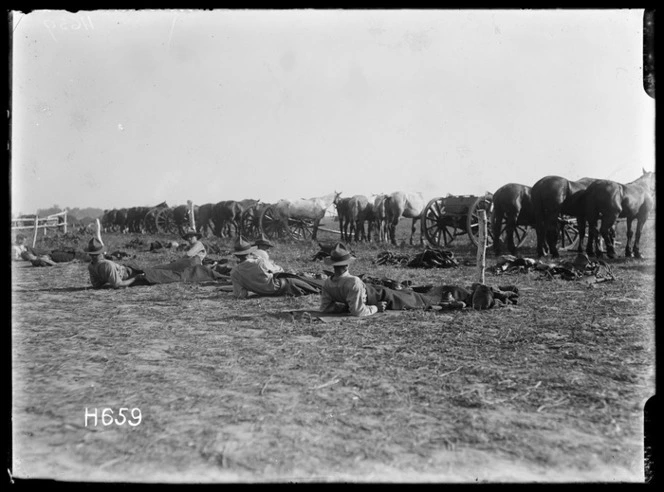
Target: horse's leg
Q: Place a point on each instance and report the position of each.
(393, 232)
(540, 228)
(314, 232)
(412, 231)
(592, 237)
(359, 230)
(552, 235)
(640, 222)
(607, 223)
(581, 224)
(497, 223)
(510, 228)
(628, 249)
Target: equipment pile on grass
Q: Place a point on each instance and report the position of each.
(429, 258)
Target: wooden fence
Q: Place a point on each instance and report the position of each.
(54, 221)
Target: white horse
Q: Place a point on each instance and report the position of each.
(400, 204)
(305, 208)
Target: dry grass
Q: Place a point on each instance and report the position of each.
(551, 389)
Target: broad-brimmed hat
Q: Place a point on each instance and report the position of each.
(242, 247)
(263, 242)
(339, 256)
(95, 247)
(191, 232)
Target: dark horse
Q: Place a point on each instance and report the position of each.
(512, 204)
(608, 200)
(552, 197)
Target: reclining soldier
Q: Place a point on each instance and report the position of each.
(343, 292)
(254, 274)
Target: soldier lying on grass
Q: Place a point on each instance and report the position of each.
(343, 292)
(254, 273)
(105, 273)
(40, 257)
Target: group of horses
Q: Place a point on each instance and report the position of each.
(591, 201)
(221, 218)
(380, 213)
(363, 218)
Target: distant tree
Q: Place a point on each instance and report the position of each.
(81, 213)
(55, 209)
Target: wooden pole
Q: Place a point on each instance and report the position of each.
(34, 235)
(192, 219)
(481, 245)
(99, 232)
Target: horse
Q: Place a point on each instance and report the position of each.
(135, 216)
(121, 220)
(305, 208)
(553, 196)
(400, 204)
(181, 218)
(108, 220)
(342, 206)
(608, 200)
(204, 219)
(359, 211)
(223, 218)
(379, 217)
(512, 203)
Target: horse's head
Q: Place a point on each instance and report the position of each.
(337, 194)
(648, 179)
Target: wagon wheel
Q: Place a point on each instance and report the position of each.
(165, 222)
(472, 220)
(569, 233)
(250, 223)
(300, 228)
(249, 227)
(520, 233)
(437, 228)
(271, 226)
(149, 221)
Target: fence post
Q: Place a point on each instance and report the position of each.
(481, 245)
(192, 219)
(99, 232)
(34, 235)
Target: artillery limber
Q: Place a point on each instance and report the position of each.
(444, 219)
(274, 226)
(159, 219)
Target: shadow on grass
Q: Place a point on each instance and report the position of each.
(62, 289)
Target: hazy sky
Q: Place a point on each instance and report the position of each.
(116, 109)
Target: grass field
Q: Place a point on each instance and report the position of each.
(551, 389)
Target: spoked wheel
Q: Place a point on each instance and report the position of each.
(438, 229)
(165, 221)
(569, 233)
(273, 226)
(150, 222)
(250, 223)
(520, 234)
(472, 221)
(300, 229)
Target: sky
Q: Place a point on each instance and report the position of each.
(115, 108)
